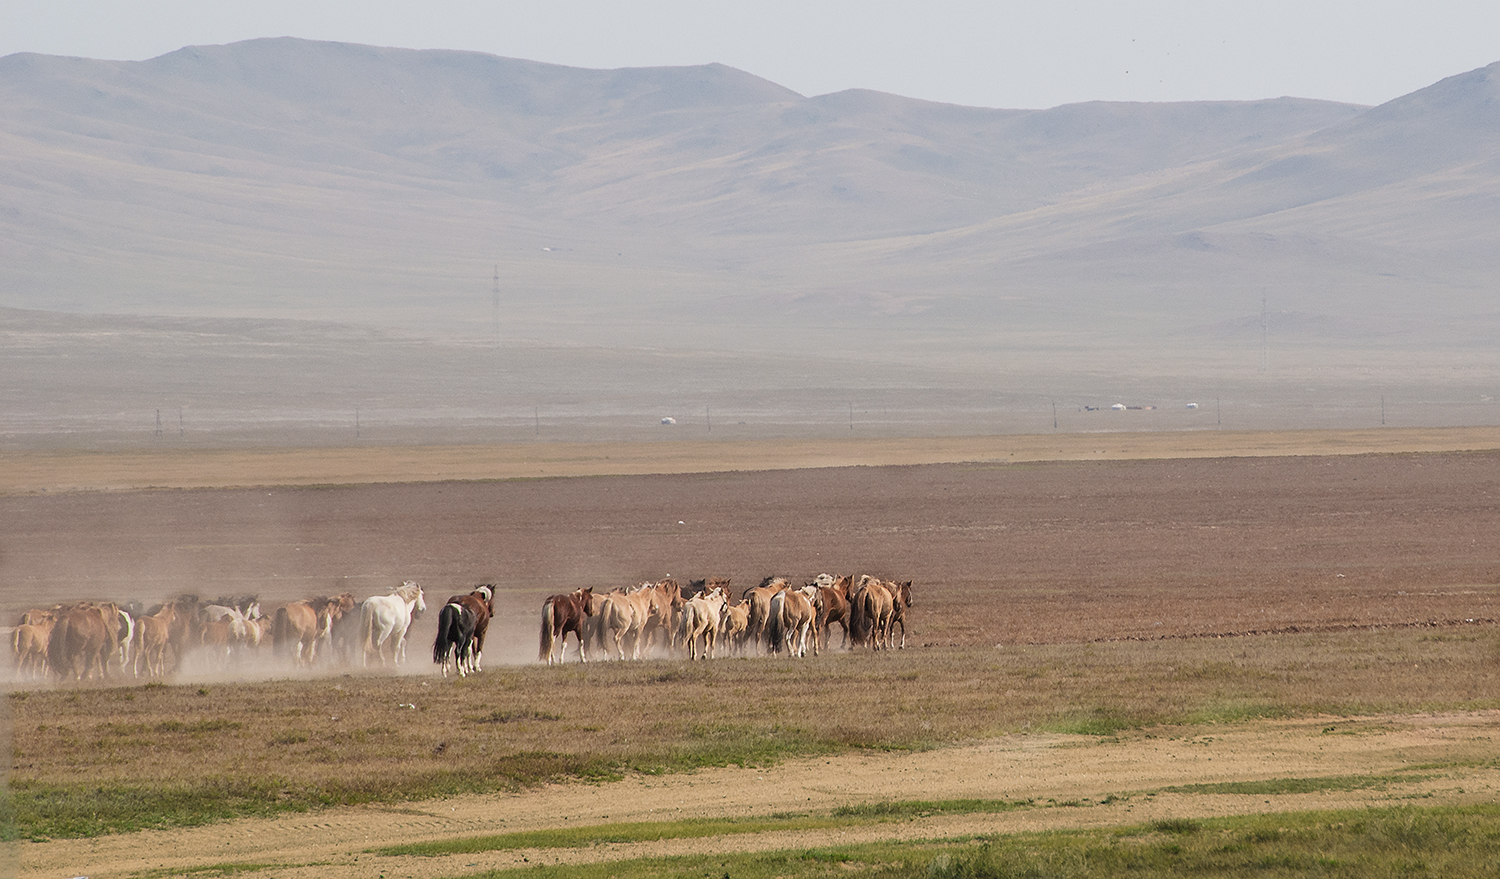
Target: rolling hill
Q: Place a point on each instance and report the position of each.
(706, 210)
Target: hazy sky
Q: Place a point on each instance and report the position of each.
(1036, 53)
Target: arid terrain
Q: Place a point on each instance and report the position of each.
(1114, 544)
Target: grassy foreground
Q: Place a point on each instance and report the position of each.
(1366, 844)
(92, 761)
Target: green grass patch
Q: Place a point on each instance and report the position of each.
(642, 831)
(1272, 786)
(1449, 842)
(654, 831)
(904, 809)
(208, 870)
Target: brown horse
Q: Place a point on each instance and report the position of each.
(83, 640)
(736, 620)
(461, 634)
(562, 614)
(870, 609)
(901, 600)
(153, 634)
(183, 633)
(29, 643)
(217, 639)
(663, 617)
(791, 617)
(833, 607)
(759, 599)
(298, 626)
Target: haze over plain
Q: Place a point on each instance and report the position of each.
(674, 239)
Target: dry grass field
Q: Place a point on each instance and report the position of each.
(1316, 608)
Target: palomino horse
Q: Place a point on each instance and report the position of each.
(702, 617)
(759, 599)
(623, 615)
(870, 610)
(384, 619)
(791, 617)
(562, 614)
(900, 601)
(736, 621)
(591, 631)
(639, 613)
(29, 641)
(153, 637)
(298, 626)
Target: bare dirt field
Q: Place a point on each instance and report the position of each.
(1123, 540)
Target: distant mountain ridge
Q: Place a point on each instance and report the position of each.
(707, 206)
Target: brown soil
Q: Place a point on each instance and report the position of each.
(1001, 554)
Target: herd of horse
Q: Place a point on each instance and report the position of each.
(702, 620)
(99, 640)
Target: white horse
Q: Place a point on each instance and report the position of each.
(385, 619)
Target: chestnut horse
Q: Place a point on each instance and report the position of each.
(462, 624)
(297, 627)
(833, 608)
(83, 640)
(562, 614)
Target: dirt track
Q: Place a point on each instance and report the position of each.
(1068, 777)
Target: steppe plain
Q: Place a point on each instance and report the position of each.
(1322, 561)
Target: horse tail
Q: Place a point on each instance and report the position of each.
(544, 651)
(857, 624)
(445, 637)
(367, 632)
(279, 627)
(774, 625)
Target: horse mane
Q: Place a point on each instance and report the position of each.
(408, 590)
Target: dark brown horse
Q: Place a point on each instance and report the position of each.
(462, 624)
(562, 614)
